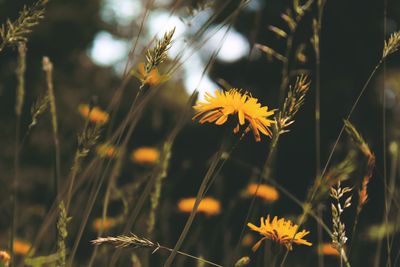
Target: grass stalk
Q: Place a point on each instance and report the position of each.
(20, 95)
(219, 159)
(48, 69)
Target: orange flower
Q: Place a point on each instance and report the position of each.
(95, 114)
(282, 231)
(145, 155)
(4, 258)
(327, 249)
(208, 205)
(21, 247)
(152, 77)
(99, 224)
(250, 114)
(266, 192)
(105, 150)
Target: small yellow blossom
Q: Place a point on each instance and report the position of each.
(95, 114)
(145, 155)
(107, 151)
(327, 249)
(208, 205)
(265, 192)
(108, 223)
(21, 247)
(153, 77)
(4, 258)
(282, 231)
(250, 114)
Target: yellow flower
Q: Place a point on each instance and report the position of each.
(105, 150)
(4, 258)
(21, 247)
(328, 250)
(266, 192)
(95, 114)
(208, 205)
(282, 231)
(151, 78)
(108, 223)
(145, 155)
(216, 109)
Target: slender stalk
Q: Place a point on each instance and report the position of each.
(191, 256)
(48, 69)
(320, 239)
(265, 171)
(343, 127)
(285, 68)
(218, 159)
(19, 102)
(384, 143)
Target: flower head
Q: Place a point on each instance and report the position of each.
(107, 151)
(94, 114)
(327, 249)
(145, 155)
(21, 247)
(250, 114)
(282, 231)
(4, 258)
(152, 77)
(208, 205)
(100, 224)
(265, 192)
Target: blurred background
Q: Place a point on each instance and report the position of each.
(89, 41)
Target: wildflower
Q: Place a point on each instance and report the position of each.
(327, 249)
(4, 258)
(21, 247)
(100, 224)
(216, 109)
(152, 77)
(282, 231)
(208, 205)
(94, 114)
(265, 192)
(145, 155)
(105, 150)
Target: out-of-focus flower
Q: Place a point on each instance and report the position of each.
(208, 205)
(94, 114)
(108, 223)
(265, 192)
(282, 231)
(107, 151)
(145, 155)
(327, 249)
(152, 77)
(21, 247)
(4, 258)
(250, 114)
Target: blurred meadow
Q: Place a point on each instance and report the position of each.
(199, 133)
